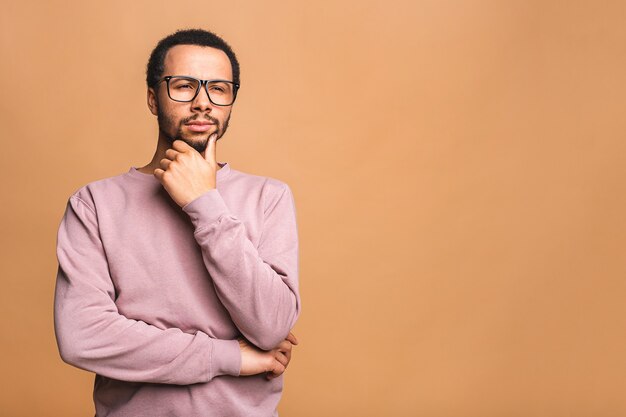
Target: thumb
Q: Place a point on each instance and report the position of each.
(210, 152)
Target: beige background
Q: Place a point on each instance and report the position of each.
(458, 169)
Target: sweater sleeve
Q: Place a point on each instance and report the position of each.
(258, 286)
(92, 335)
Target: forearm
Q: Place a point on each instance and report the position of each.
(261, 305)
(259, 290)
(92, 335)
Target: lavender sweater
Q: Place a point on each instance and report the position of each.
(151, 296)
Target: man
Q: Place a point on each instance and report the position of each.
(178, 281)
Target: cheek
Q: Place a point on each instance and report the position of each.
(223, 116)
(172, 115)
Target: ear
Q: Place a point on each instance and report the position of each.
(152, 101)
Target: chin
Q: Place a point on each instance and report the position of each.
(198, 144)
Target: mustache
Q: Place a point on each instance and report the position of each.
(207, 117)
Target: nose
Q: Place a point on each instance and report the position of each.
(202, 102)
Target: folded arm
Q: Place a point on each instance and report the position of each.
(92, 335)
(258, 286)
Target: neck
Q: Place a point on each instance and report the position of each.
(162, 146)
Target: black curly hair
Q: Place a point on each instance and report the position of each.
(200, 37)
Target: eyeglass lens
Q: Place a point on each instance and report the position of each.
(184, 89)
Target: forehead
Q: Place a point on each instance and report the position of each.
(197, 61)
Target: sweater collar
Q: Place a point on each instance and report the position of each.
(221, 173)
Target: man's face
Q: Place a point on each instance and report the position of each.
(200, 62)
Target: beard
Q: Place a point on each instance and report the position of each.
(172, 131)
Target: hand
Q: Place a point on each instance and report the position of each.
(185, 173)
(274, 362)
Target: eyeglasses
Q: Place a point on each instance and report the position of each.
(184, 89)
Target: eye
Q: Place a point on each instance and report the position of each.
(182, 84)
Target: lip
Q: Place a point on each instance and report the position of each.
(199, 126)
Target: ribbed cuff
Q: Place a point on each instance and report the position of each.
(225, 358)
(206, 209)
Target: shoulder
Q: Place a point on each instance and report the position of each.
(267, 184)
(269, 189)
(105, 188)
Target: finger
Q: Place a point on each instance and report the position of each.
(280, 357)
(210, 153)
(159, 173)
(284, 346)
(165, 163)
(271, 375)
(171, 153)
(181, 146)
(292, 338)
(279, 368)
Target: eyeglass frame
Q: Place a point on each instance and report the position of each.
(201, 83)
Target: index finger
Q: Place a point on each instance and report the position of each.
(181, 145)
